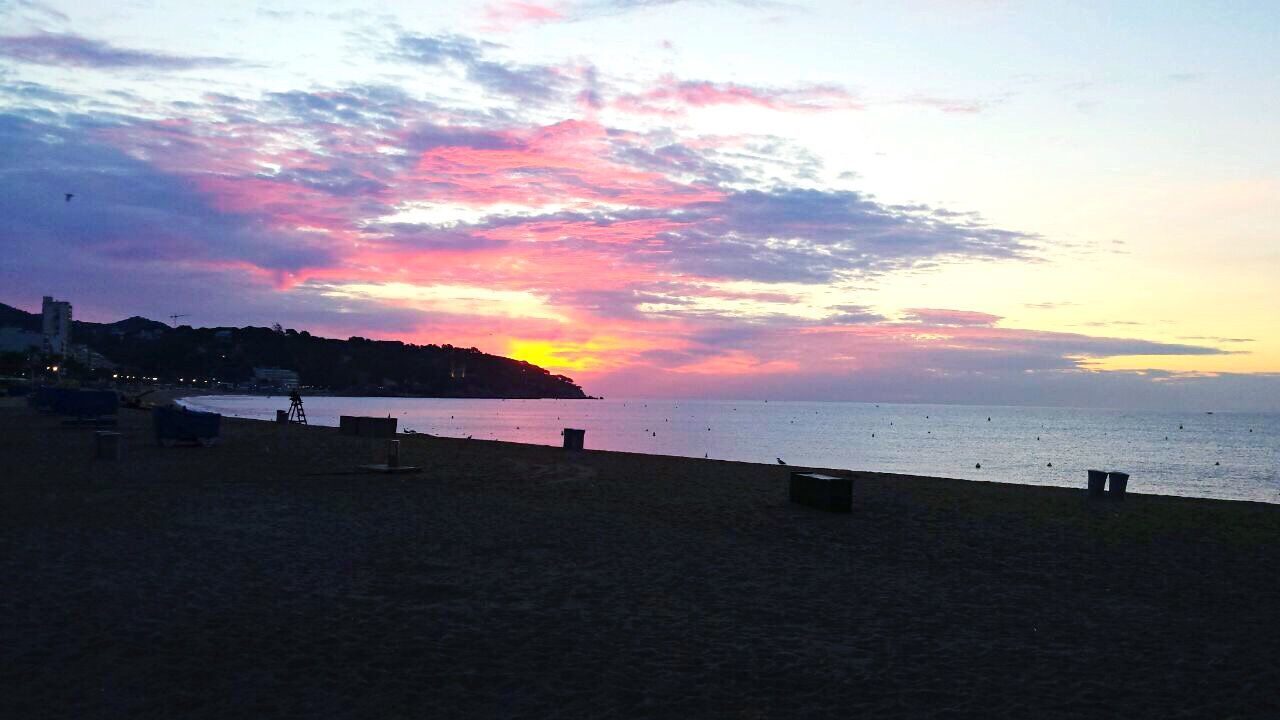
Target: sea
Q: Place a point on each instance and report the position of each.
(1225, 455)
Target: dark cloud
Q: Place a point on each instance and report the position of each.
(853, 315)
(66, 50)
(28, 92)
(1072, 345)
(788, 235)
(34, 10)
(523, 82)
(621, 304)
(808, 235)
(337, 181)
(426, 137)
(1214, 338)
(1150, 389)
(369, 106)
(126, 212)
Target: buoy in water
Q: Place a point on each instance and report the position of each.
(977, 466)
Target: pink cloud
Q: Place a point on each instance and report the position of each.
(671, 96)
(933, 316)
(510, 14)
(568, 161)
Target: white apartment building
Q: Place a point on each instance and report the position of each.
(57, 325)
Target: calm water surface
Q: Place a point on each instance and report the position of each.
(1221, 455)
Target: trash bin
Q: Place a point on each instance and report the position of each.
(1119, 483)
(1097, 483)
(574, 438)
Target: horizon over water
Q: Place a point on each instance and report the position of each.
(1016, 445)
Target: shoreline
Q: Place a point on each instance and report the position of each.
(1141, 485)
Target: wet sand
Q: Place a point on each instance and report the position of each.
(262, 577)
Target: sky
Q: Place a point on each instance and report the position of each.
(957, 201)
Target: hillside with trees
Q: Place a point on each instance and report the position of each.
(355, 366)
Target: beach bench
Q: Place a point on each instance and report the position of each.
(368, 427)
(87, 407)
(42, 397)
(824, 492)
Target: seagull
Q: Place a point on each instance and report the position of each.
(69, 196)
(780, 462)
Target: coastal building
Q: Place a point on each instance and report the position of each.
(17, 340)
(89, 358)
(56, 325)
(276, 377)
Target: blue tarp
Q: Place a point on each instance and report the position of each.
(185, 425)
(43, 397)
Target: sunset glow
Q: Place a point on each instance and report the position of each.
(613, 191)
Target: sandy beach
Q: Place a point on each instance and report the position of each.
(265, 577)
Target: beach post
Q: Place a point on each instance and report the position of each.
(393, 453)
(1097, 483)
(574, 439)
(108, 445)
(1119, 483)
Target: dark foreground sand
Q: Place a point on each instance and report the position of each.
(260, 578)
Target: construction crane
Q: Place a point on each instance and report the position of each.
(174, 318)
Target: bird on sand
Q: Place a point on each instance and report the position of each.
(780, 461)
(69, 196)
